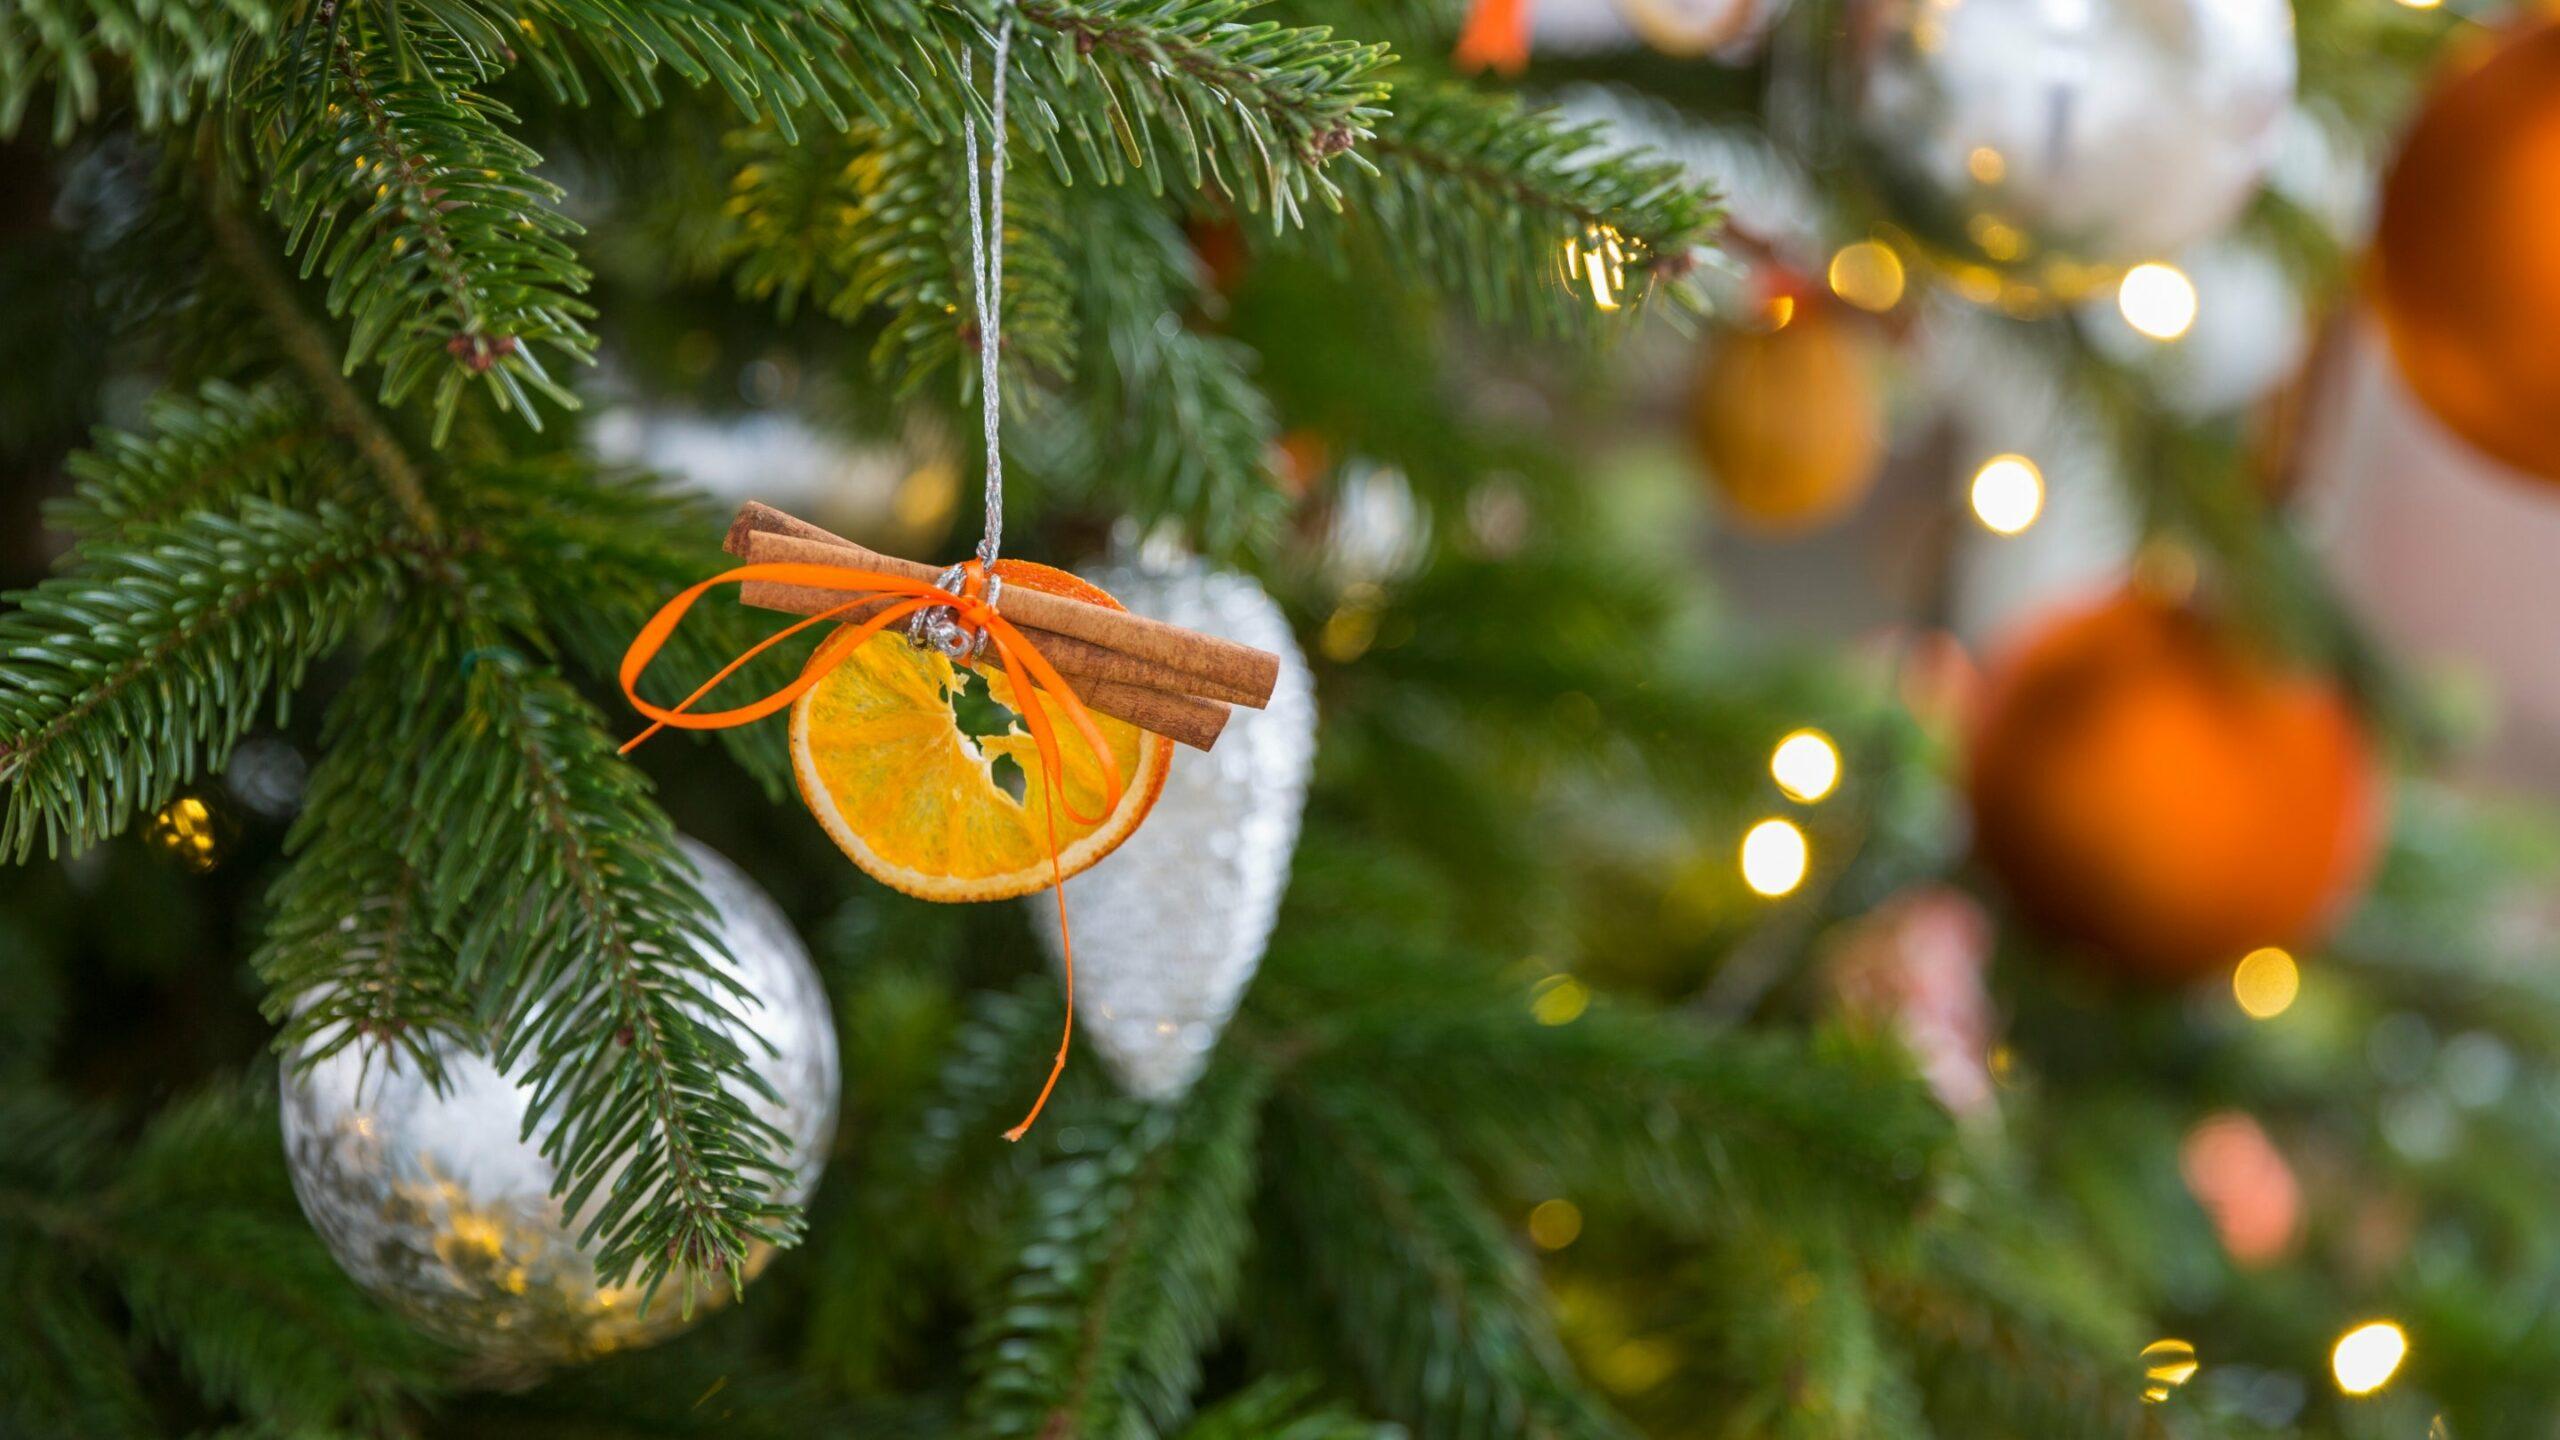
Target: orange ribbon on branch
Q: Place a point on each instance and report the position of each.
(1021, 661)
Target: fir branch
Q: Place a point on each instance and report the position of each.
(876, 220)
(138, 670)
(597, 553)
(1486, 195)
(1429, 1303)
(205, 452)
(575, 919)
(1176, 429)
(771, 57)
(352, 955)
(399, 182)
(1126, 1268)
(1278, 1410)
(170, 49)
(198, 1233)
(1252, 110)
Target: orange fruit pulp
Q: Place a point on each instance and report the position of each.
(884, 763)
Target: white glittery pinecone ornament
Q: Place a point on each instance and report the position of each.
(1171, 926)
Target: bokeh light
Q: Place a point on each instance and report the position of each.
(2368, 1356)
(1806, 766)
(2158, 300)
(2166, 1365)
(2008, 494)
(1554, 1224)
(1868, 275)
(1774, 857)
(2266, 983)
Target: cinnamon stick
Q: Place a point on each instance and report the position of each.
(1081, 639)
(1183, 719)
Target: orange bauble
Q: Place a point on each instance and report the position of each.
(2466, 263)
(2160, 792)
(1791, 422)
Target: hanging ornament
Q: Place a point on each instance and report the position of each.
(2151, 787)
(2040, 146)
(438, 1202)
(1791, 420)
(1495, 37)
(953, 756)
(1915, 967)
(2463, 274)
(1170, 929)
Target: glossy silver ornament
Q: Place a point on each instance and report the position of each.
(430, 1200)
(1170, 927)
(2038, 147)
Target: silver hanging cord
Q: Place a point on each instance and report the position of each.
(986, 266)
(939, 627)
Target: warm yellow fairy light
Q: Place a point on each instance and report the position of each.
(2368, 1356)
(2158, 300)
(1868, 275)
(2166, 1365)
(2422, 4)
(1559, 1000)
(1554, 1224)
(1986, 165)
(1774, 857)
(1806, 765)
(2266, 982)
(2008, 494)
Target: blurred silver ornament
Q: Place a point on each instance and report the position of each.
(1170, 927)
(2040, 146)
(2251, 331)
(430, 1200)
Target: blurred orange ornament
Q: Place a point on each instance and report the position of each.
(2150, 786)
(1791, 421)
(1496, 37)
(2464, 274)
(2246, 1188)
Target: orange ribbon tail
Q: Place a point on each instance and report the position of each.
(1496, 37)
(1029, 672)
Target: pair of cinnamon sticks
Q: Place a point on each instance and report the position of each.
(1178, 683)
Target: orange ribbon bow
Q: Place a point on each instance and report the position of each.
(1016, 655)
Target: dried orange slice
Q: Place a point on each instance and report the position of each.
(885, 765)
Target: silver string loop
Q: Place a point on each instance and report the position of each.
(939, 628)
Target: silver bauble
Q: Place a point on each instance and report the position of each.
(2040, 146)
(430, 1200)
(1170, 927)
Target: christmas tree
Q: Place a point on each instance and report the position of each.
(1637, 1018)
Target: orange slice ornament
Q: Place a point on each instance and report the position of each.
(922, 806)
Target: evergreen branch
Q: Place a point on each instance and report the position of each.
(872, 221)
(171, 50)
(399, 182)
(198, 1230)
(1430, 1305)
(1176, 429)
(206, 452)
(351, 955)
(308, 349)
(577, 921)
(597, 553)
(1486, 195)
(214, 1255)
(139, 669)
(771, 57)
(1277, 1410)
(1127, 1266)
(1664, 1114)
(1252, 110)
